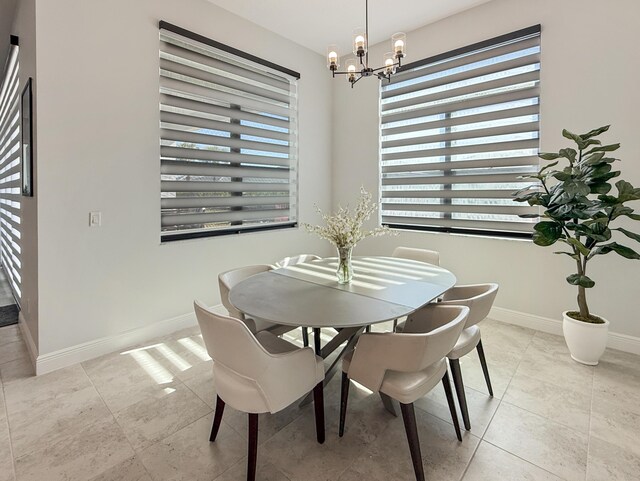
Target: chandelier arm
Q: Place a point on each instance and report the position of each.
(366, 30)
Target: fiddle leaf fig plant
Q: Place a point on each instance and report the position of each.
(579, 207)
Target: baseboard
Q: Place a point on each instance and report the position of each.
(621, 342)
(28, 339)
(83, 352)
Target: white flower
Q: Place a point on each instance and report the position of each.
(344, 229)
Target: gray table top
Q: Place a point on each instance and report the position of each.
(308, 294)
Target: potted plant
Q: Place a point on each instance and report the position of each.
(579, 209)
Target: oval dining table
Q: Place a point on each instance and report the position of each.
(309, 295)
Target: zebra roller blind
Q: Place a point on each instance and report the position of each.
(10, 172)
(457, 131)
(228, 130)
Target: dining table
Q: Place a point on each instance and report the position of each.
(308, 295)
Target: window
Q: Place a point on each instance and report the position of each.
(228, 134)
(457, 132)
(10, 168)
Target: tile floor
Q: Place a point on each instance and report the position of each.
(145, 413)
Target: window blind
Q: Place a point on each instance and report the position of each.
(457, 131)
(10, 170)
(228, 134)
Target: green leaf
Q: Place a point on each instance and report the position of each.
(548, 166)
(568, 135)
(546, 233)
(599, 187)
(593, 158)
(562, 176)
(629, 234)
(621, 250)
(568, 154)
(576, 188)
(595, 132)
(582, 281)
(548, 156)
(579, 245)
(570, 254)
(604, 148)
(626, 191)
(528, 216)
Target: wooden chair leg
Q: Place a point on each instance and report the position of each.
(305, 336)
(409, 417)
(252, 456)
(318, 404)
(485, 369)
(452, 405)
(344, 396)
(217, 419)
(462, 399)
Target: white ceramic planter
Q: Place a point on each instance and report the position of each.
(586, 341)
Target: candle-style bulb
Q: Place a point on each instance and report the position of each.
(333, 57)
(399, 45)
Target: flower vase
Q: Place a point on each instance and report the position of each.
(345, 269)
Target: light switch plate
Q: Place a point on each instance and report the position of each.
(95, 219)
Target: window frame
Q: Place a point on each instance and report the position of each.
(532, 31)
(292, 184)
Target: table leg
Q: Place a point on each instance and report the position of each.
(316, 341)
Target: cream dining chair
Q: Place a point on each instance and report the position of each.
(228, 279)
(422, 255)
(479, 299)
(258, 374)
(406, 367)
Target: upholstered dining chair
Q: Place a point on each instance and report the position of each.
(228, 279)
(415, 254)
(258, 374)
(479, 299)
(299, 259)
(405, 367)
(422, 255)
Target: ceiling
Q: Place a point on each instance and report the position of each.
(316, 24)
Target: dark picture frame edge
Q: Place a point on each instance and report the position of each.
(26, 143)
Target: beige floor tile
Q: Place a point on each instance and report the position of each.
(616, 425)
(36, 428)
(188, 455)
(129, 470)
(203, 386)
(13, 351)
(564, 406)
(10, 334)
(152, 420)
(92, 451)
(557, 369)
(473, 376)
(265, 471)
(617, 380)
(545, 443)
(480, 405)
(609, 462)
(388, 457)
(505, 337)
(6, 458)
(17, 370)
(131, 376)
(30, 393)
(490, 463)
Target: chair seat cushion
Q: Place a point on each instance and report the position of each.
(406, 387)
(467, 342)
(274, 344)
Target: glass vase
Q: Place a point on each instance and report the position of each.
(345, 269)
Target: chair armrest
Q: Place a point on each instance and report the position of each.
(289, 376)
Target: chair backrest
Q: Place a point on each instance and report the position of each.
(422, 255)
(377, 353)
(477, 297)
(228, 279)
(240, 361)
(299, 259)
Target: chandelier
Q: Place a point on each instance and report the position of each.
(357, 68)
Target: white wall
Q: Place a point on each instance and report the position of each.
(99, 150)
(590, 69)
